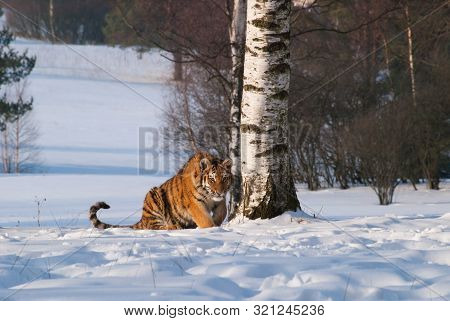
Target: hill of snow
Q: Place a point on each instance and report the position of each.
(98, 62)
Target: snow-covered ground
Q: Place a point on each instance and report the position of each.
(67, 198)
(92, 126)
(89, 122)
(89, 143)
(375, 258)
(97, 62)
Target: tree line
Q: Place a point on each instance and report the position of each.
(74, 21)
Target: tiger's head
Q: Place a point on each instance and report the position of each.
(215, 177)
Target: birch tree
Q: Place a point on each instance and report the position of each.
(237, 42)
(410, 55)
(267, 185)
(51, 19)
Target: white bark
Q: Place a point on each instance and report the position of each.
(17, 146)
(410, 56)
(267, 185)
(6, 160)
(51, 20)
(237, 41)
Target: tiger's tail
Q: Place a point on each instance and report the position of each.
(95, 221)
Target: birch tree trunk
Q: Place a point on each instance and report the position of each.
(267, 184)
(51, 21)
(17, 146)
(410, 56)
(5, 151)
(237, 41)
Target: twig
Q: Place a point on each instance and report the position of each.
(39, 201)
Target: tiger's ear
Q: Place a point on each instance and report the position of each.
(204, 164)
(227, 163)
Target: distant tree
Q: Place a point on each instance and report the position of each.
(16, 131)
(74, 21)
(14, 67)
(192, 31)
(334, 80)
(377, 140)
(430, 76)
(431, 136)
(18, 150)
(353, 58)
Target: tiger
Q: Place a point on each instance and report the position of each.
(184, 201)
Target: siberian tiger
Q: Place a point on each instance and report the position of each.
(184, 201)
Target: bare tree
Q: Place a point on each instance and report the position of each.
(196, 116)
(267, 184)
(377, 140)
(19, 151)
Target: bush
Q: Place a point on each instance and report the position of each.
(378, 140)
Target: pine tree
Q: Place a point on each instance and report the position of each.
(14, 67)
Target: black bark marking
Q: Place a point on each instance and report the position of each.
(264, 23)
(274, 46)
(253, 88)
(246, 128)
(255, 141)
(279, 69)
(251, 52)
(279, 148)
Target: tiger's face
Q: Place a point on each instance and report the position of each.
(216, 177)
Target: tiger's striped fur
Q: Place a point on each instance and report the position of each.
(187, 200)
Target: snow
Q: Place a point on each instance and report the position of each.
(390, 256)
(362, 201)
(97, 62)
(90, 126)
(354, 250)
(374, 258)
